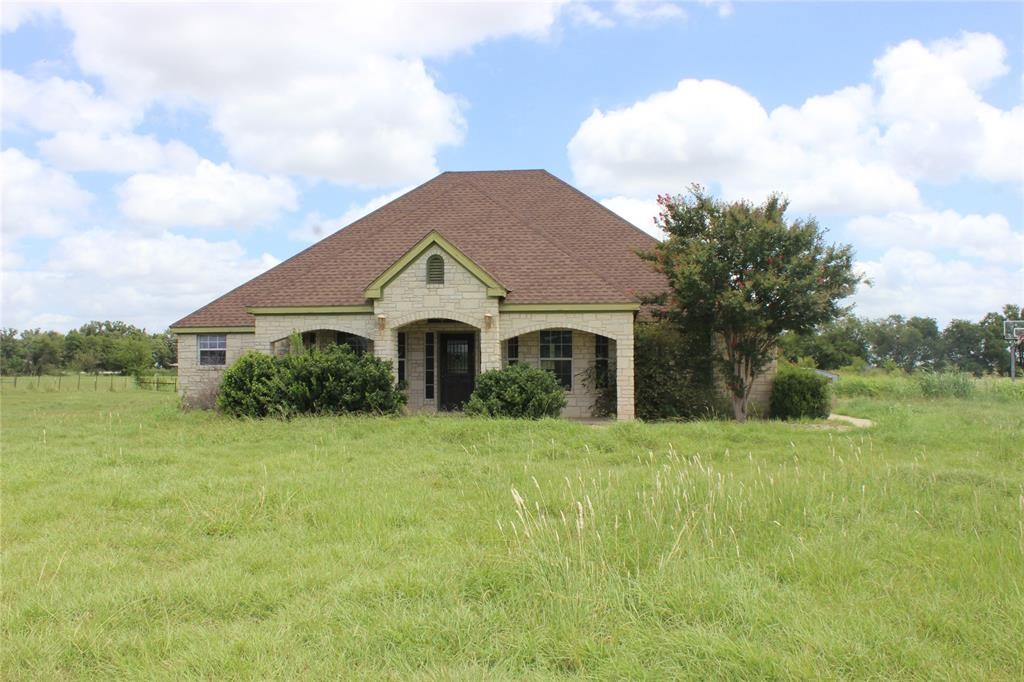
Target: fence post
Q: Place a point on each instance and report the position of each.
(39, 379)
(59, 377)
(79, 386)
(15, 380)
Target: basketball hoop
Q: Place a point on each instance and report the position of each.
(1013, 332)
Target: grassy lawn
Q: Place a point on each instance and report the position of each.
(142, 542)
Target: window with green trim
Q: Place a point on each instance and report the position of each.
(556, 355)
(435, 270)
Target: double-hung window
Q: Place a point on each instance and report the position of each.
(213, 350)
(556, 355)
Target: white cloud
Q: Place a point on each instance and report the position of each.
(638, 9)
(336, 91)
(56, 104)
(315, 226)
(14, 14)
(211, 196)
(856, 150)
(640, 212)
(115, 153)
(149, 281)
(916, 282)
(715, 133)
(38, 201)
(986, 237)
(937, 126)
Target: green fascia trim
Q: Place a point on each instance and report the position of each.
(569, 307)
(213, 330)
(311, 310)
(494, 288)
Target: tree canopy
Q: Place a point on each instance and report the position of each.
(745, 274)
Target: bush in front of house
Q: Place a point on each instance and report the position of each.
(800, 393)
(517, 391)
(251, 387)
(333, 381)
(674, 374)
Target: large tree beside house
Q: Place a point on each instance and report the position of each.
(743, 274)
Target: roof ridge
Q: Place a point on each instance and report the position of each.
(606, 209)
(543, 235)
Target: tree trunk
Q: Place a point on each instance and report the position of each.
(739, 408)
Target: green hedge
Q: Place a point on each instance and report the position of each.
(800, 393)
(517, 391)
(333, 381)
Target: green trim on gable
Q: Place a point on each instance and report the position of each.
(310, 310)
(568, 307)
(494, 288)
(213, 330)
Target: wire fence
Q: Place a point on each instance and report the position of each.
(88, 382)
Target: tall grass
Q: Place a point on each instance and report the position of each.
(142, 542)
(928, 385)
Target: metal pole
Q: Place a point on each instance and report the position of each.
(1013, 361)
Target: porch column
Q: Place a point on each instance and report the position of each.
(490, 343)
(385, 344)
(624, 379)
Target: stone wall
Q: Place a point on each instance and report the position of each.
(580, 399)
(198, 385)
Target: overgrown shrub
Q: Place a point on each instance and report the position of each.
(799, 393)
(333, 381)
(673, 374)
(946, 384)
(518, 391)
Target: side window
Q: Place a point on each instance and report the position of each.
(428, 374)
(213, 350)
(401, 356)
(556, 355)
(435, 270)
(512, 345)
(601, 366)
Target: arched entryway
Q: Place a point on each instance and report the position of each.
(438, 360)
(322, 339)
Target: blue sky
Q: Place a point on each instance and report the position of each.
(155, 156)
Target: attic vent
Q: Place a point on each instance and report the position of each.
(435, 270)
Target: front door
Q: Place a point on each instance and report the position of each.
(457, 375)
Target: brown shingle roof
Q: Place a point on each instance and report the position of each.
(542, 239)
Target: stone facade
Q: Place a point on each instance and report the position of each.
(408, 304)
(197, 383)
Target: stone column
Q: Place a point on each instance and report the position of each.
(385, 344)
(624, 376)
(490, 343)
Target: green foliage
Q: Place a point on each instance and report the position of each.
(332, 381)
(945, 384)
(93, 347)
(518, 392)
(673, 373)
(746, 274)
(800, 393)
(252, 387)
(833, 344)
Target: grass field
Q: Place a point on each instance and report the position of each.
(142, 542)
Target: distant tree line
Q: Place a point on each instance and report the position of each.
(910, 344)
(93, 347)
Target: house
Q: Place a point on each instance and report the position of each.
(468, 272)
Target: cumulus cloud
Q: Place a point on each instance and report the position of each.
(56, 104)
(213, 195)
(38, 201)
(315, 226)
(151, 280)
(915, 282)
(115, 153)
(640, 212)
(332, 91)
(860, 149)
(986, 237)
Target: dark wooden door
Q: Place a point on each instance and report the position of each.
(457, 370)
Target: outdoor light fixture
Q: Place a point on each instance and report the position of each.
(488, 321)
(382, 321)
